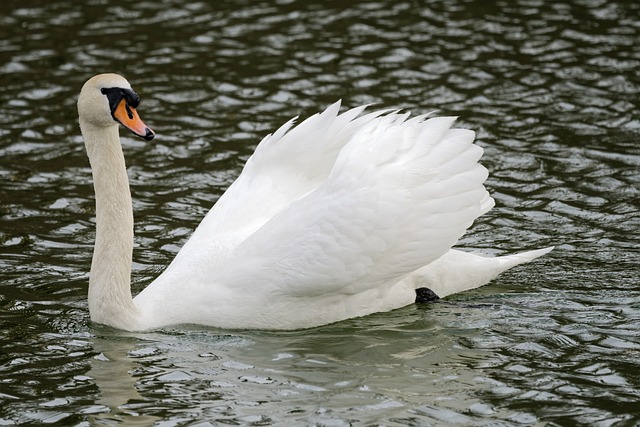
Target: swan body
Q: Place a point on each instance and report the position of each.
(341, 216)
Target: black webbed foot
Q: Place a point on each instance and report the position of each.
(424, 295)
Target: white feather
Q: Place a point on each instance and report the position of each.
(340, 216)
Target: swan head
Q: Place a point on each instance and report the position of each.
(108, 99)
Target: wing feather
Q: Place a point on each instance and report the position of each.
(284, 166)
(400, 194)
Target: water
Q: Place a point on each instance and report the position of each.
(552, 89)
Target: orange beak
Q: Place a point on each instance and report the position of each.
(129, 118)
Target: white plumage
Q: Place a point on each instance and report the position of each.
(340, 216)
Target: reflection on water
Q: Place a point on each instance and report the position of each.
(552, 89)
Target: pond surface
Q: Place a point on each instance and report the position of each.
(552, 89)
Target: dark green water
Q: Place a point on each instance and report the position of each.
(551, 87)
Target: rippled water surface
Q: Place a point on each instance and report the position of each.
(552, 89)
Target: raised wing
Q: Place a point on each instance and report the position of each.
(285, 165)
(400, 194)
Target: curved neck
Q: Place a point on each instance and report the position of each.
(110, 299)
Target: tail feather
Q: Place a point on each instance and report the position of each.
(458, 271)
(509, 261)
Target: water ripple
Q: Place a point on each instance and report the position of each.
(552, 91)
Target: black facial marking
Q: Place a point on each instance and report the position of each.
(116, 94)
(131, 97)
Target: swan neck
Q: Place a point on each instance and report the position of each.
(109, 298)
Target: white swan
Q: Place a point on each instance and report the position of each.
(341, 216)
